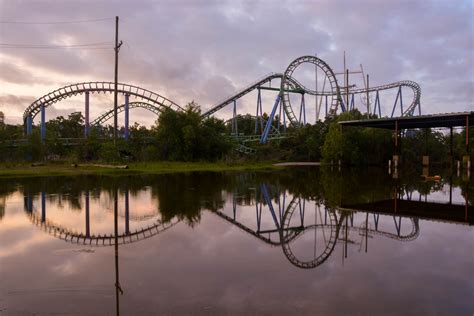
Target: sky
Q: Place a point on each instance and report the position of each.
(206, 50)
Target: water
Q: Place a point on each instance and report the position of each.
(298, 242)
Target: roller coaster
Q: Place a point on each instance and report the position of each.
(331, 92)
(275, 224)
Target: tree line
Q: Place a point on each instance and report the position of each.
(186, 136)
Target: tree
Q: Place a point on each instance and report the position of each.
(355, 145)
(184, 136)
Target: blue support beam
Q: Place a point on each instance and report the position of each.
(401, 100)
(396, 101)
(29, 125)
(43, 206)
(326, 106)
(234, 120)
(43, 123)
(268, 200)
(377, 104)
(258, 116)
(127, 98)
(343, 106)
(127, 213)
(88, 231)
(86, 115)
(268, 126)
(302, 110)
(258, 210)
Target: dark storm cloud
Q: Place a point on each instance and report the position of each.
(204, 50)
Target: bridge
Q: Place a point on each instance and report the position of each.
(284, 112)
(398, 124)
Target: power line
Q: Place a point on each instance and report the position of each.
(76, 48)
(49, 45)
(98, 45)
(56, 22)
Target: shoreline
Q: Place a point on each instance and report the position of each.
(141, 168)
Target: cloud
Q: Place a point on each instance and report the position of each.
(204, 51)
(15, 102)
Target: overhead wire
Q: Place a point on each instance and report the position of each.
(98, 45)
(88, 46)
(57, 22)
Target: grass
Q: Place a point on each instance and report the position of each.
(65, 169)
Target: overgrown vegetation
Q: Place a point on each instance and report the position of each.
(186, 137)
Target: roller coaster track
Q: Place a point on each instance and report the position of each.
(415, 87)
(255, 85)
(287, 81)
(292, 232)
(68, 235)
(97, 87)
(290, 84)
(414, 233)
(335, 228)
(327, 250)
(104, 117)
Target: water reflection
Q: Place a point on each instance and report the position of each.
(307, 230)
(304, 215)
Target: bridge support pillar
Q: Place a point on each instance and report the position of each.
(43, 123)
(86, 115)
(466, 160)
(29, 125)
(126, 135)
(451, 156)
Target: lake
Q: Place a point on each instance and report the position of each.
(300, 241)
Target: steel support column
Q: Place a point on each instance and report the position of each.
(86, 115)
(43, 123)
(326, 106)
(29, 202)
(467, 134)
(268, 126)
(401, 100)
(396, 101)
(302, 110)
(396, 137)
(451, 145)
(29, 125)
(258, 116)
(127, 213)
(127, 98)
(234, 119)
(87, 214)
(43, 206)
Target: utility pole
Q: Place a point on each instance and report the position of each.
(367, 96)
(117, 48)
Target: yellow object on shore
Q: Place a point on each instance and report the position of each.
(431, 178)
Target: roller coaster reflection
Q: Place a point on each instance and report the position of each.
(307, 231)
(292, 222)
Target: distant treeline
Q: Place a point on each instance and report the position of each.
(185, 136)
